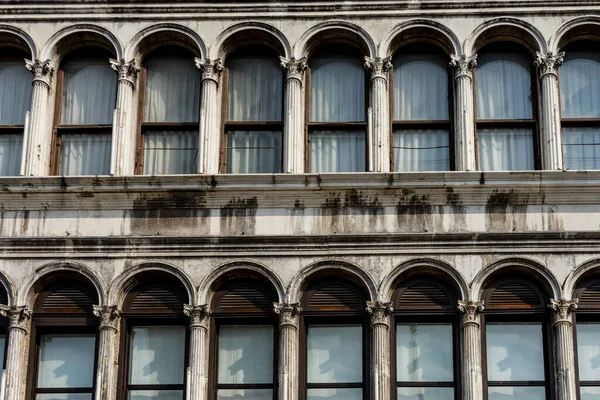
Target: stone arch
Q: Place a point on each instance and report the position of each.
(580, 28)
(9, 287)
(428, 266)
(544, 276)
(26, 293)
(505, 28)
(187, 36)
(418, 30)
(334, 28)
(301, 279)
(92, 33)
(581, 272)
(21, 38)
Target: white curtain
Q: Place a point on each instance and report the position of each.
(337, 151)
(170, 152)
(89, 92)
(15, 86)
(420, 87)
(579, 85)
(245, 354)
(424, 353)
(337, 89)
(172, 89)
(504, 86)
(421, 150)
(334, 354)
(505, 149)
(581, 148)
(255, 89)
(254, 152)
(11, 147)
(85, 154)
(66, 361)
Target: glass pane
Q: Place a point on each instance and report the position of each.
(334, 354)
(255, 89)
(414, 100)
(2, 347)
(424, 353)
(63, 396)
(421, 150)
(505, 149)
(66, 361)
(431, 393)
(515, 352)
(157, 355)
(581, 148)
(170, 152)
(337, 89)
(504, 86)
(337, 151)
(588, 351)
(579, 85)
(516, 393)
(15, 86)
(254, 152)
(246, 354)
(11, 149)
(156, 395)
(335, 394)
(589, 393)
(85, 154)
(246, 394)
(89, 92)
(172, 89)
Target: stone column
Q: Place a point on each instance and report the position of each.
(123, 141)
(293, 118)
(106, 385)
(464, 114)
(471, 350)
(379, 114)
(380, 349)
(198, 357)
(566, 388)
(19, 317)
(38, 141)
(288, 350)
(550, 132)
(210, 108)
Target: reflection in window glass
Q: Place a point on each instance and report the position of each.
(63, 396)
(588, 351)
(589, 393)
(424, 353)
(245, 394)
(66, 361)
(516, 393)
(245, 354)
(335, 394)
(155, 395)
(425, 393)
(334, 354)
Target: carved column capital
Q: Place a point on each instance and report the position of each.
(380, 312)
(126, 70)
(42, 70)
(211, 69)
(288, 314)
(18, 316)
(463, 65)
(199, 315)
(294, 68)
(379, 67)
(108, 315)
(563, 310)
(471, 312)
(548, 64)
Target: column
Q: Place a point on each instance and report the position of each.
(551, 139)
(37, 142)
(210, 107)
(293, 118)
(471, 350)
(288, 350)
(198, 357)
(19, 317)
(464, 114)
(380, 349)
(564, 348)
(123, 140)
(106, 382)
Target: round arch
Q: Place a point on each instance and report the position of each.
(580, 272)
(512, 29)
(303, 47)
(218, 48)
(422, 28)
(580, 28)
(133, 47)
(9, 288)
(50, 49)
(21, 36)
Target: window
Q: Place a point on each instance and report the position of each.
(3, 330)
(171, 108)
(426, 342)
(253, 129)
(15, 86)
(580, 105)
(337, 115)
(587, 331)
(421, 111)
(87, 98)
(505, 112)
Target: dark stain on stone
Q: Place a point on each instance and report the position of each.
(299, 205)
(84, 195)
(458, 220)
(414, 213)
(482, 178)
(504, 212)
(452, 198)
(25, 221)
(238, 216)
(213, 182)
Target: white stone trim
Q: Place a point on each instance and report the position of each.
(439, 28)
(48, 51)
(536, 35)
(300, 50)
(132, 48)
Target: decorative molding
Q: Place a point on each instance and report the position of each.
(380, 312)
(294, 68)
(19, 316)
(199, 315)
(379, 67)
(126, 70)
(548, 64)
(471, 312)
(211, 69)
(463, 65)
(42, 70)
(288, 314)
(563, 310)
(108, 315)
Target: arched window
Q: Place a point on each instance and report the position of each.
(337, 124)
(171, 106)
(63, 341)
(587, 330)
(516, 340)
(333, 336)
(244, 340)
(154, 339)
(426, 334)
(254, 119)
(580, 106)
(86, 96)
(506, 126)
(421, 109)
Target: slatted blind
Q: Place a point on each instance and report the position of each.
(590, 296)
(423, 295)
(157, 299)
(246, 298)
(514, 295)
(335, 297)
(67, 300)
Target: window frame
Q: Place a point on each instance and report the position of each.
(583, 314)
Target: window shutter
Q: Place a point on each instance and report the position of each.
(67, 300)
(589, 296)
(245, 298)
(335, 297)
(157, 299)
(514, 295)
(424, 295)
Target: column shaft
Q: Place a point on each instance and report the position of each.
(288, 350)
(17, 335)
(210, 135)
(107, 342)
(464, 123)
(564, 349)
(380, 349)
(471, 350)
(379, 114)
(293, 118)
(198, 356)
